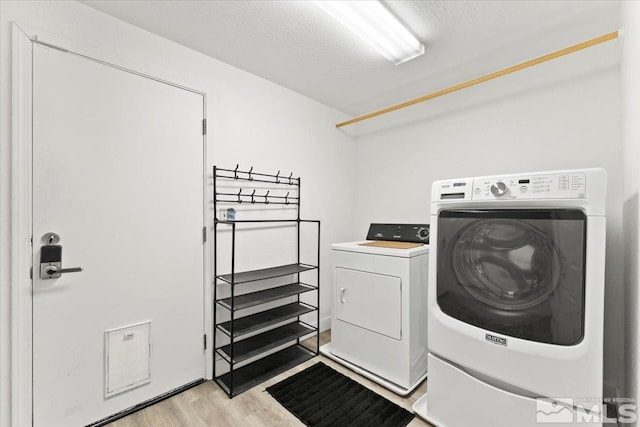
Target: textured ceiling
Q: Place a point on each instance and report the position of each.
(298, 46)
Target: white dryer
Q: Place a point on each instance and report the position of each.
(379, 305)
(516, 292)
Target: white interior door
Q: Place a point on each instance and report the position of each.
(118, 175)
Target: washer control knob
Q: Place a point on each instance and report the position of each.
(423, 233)
(499, 189)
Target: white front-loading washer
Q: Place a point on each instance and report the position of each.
(379, 306)
(516, 291)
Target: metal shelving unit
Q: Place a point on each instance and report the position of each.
(252, 338)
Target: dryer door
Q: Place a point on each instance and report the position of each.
(369, 300)
(515, 272)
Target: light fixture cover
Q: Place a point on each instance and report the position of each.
(374, 23)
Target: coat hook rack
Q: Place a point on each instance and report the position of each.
(230, 295)
(250, 175)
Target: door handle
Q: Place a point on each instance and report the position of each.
(52, 270)
(342, 298)
(51, 258)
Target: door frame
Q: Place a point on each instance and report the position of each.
(21, 194)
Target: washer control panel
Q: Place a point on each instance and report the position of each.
(556, 186)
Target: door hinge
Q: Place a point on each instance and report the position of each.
(204, 234)
(205, 341)
(204, 126)
(31, 273)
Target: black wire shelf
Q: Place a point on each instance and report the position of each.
(260, 297)
(261, 343)
(261, 370)
(265, 273)
(246, 325)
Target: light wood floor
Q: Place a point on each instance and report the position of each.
(208, 405)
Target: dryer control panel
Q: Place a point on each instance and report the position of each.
(417, 233)
(553, 186)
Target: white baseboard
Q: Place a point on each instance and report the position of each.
(325, 323)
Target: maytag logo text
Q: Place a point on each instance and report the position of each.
(496, 340)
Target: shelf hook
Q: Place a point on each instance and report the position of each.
(277, 175)
(266, 200)
(290, 175)
(250, 177)
(239, 196)
(252, 194)
(286, 199)
(235, 172)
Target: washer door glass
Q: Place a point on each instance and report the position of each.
(506, 263)
(515, 272)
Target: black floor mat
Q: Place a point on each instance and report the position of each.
(322, 396)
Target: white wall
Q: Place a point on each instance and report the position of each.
(251, 122)
(631, 163)
(563, 114)
(559, 115)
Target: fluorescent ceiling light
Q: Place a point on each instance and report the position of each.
(375, 24)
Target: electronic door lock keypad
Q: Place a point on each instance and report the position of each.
(51, 262)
